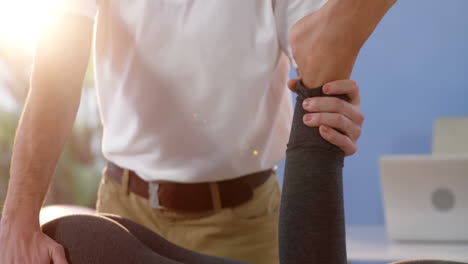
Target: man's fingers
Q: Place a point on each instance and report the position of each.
(347, 87)
(334, 105)
(57, 254)
(335, 121)
(336, 138)
(339, 121)
(292, 84)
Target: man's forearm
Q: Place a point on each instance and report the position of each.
(358, 17)
(61, 60)
(326, 43)
(42, 132)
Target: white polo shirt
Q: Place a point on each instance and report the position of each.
(194, 90)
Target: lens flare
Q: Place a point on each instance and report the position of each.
(22, 20)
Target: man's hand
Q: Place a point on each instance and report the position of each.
(23, 244)
(326, 43)
(339, 121)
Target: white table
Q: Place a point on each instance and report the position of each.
(370, 243)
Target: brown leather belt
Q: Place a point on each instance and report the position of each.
(194, 196)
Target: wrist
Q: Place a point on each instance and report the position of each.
(326, 43)
(329, 66)
(23, 222)
(18, 213)
(324, 46)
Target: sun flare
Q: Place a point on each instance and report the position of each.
(21, 20)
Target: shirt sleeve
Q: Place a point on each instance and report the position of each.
(287, 13)
(86, 8)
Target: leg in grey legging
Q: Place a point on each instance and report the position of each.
(161, 246)
(94, 239)
(312, 216)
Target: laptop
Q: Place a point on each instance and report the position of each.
(425, 197)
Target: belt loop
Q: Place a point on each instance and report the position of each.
(215, 196)
(104, 174)
(125, 181)
(153, 192)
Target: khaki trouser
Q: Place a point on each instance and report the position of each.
(246, 233)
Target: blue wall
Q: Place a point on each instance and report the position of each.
(413, 70)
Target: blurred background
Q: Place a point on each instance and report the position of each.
(413, 70)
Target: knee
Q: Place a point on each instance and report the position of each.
(74, 227)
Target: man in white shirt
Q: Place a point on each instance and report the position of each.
(195, 112)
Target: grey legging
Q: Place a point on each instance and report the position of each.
(311, 226)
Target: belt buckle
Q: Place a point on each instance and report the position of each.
(153, 199)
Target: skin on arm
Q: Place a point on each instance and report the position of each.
(61, 59)
(325, 45)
